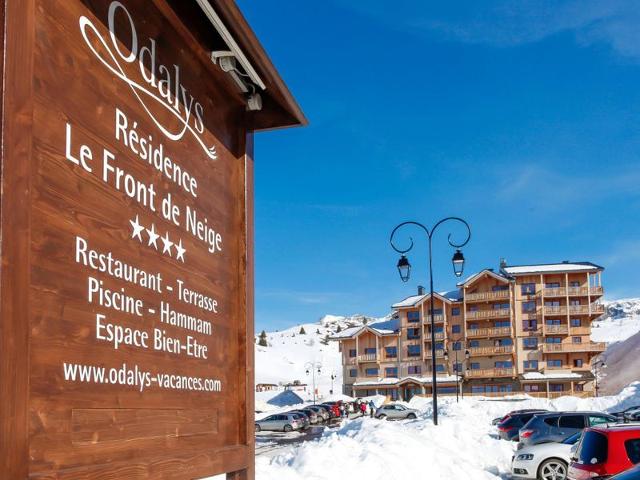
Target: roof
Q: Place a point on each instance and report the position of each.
(476, 276)
(552, 268)
(415, 300)
(397, 381)
(387, 327)
(633, 427)
(280, 108)
(549, 376)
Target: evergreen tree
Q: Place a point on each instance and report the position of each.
(339, 329)
(262, 341)
(302, 332)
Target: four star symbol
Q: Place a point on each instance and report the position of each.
(138, 228)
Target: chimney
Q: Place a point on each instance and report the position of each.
(420, 290)
(503, 263)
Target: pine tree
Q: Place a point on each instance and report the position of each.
(339, 329)
(263, 339)
(302, 332)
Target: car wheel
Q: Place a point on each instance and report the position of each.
(552, 469)
(258, 428)
(382, 417)
(288, 428)
(412, 416)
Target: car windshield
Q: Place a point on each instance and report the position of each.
(572, 439)
(593, 449)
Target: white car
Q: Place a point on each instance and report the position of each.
(545, 461)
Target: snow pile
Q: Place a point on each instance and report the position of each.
(463, 445)
(621, 321)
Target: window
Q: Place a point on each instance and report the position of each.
(530, 343)
(502, 324)
(578, 362)
(352, 353)
(552, 321)
(579, 387)
(530, 364)
(499, 288)
(439, 329)
(437, 311)
(457, 345)
(574, 303)
(413, 350)
(552, 285)
(632, 446)
(501, 306)
(414, 370)
(439, 367)
(552, 303)
(593, 448)
(553, 340)
(457, 367)
(551, 421)
(505, 342)
(456, 328)
(455, 311)
(530, 325)
(413, 333)
(572, 421)
(528, 307)
(370, 351)
(574, 284)
(391, 372)
(353, 372)
(473, 308)
(532, 388)
(597, 420)
(475, 366)
(439, 346)
(473, 326)
(528, 288)
(576, 322)
(576, 339)
(505, 364)
(391, 352)
(554, 364)
(474, 343)
(371, 372)
(413, 316)
(556, 387)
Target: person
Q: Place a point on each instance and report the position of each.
(363, 408)
(372, 408)
(342, 410)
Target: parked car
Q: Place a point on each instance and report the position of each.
(321, 412)
(499, 420)
(510, 427)
(556, 426)
(281, 422)
(628, 414)
(545, 461)
(395, 411)
(334, 409)
(302, 417)
(631, 474)
(606, 450)
(310, 413)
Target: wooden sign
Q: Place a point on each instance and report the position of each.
(126, 333)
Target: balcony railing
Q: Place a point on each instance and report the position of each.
(597, 308)
(555, 292)
(490, 373)
(489, 332)
(486, 296)
(437, 318)
(596, 290)
(492, 313)
(484, 351)
(573, 347)
(368, 357)
(439, 336)
(556, 330)
(555, 310)
(580, 330)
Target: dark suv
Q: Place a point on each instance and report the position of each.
(556, 426)
(510, 426)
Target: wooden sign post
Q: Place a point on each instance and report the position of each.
(126, 282)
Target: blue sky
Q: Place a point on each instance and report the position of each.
(522, 117)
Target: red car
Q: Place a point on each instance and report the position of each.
(606, 450)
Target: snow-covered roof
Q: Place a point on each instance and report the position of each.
(387, 327)
(552, 267)
(415, 300)
(453, 295)
(396, 381)
(477, 275)
(549, 376)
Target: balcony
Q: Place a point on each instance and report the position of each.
(555, 292)
(594, 308)
(437, 318)
(556, 330)
(596, 291)
(439, 336)
(597, 308)
(489, 332)
(487, 351)
(580, 330)
(555, 310)
(573, 347)
(490, 373)
(369, 357)
(487, 296)
(492, 313)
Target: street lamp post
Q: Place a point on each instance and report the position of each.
(598, 366)
(404, 268)
(466, 364)
(457, 370)
(311, 367)
(333, 377)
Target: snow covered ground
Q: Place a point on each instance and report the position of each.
(464, 445)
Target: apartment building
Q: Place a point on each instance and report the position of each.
(524, 328)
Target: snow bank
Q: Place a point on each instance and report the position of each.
(464, 445)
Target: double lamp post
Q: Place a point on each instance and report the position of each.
(404, 268)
